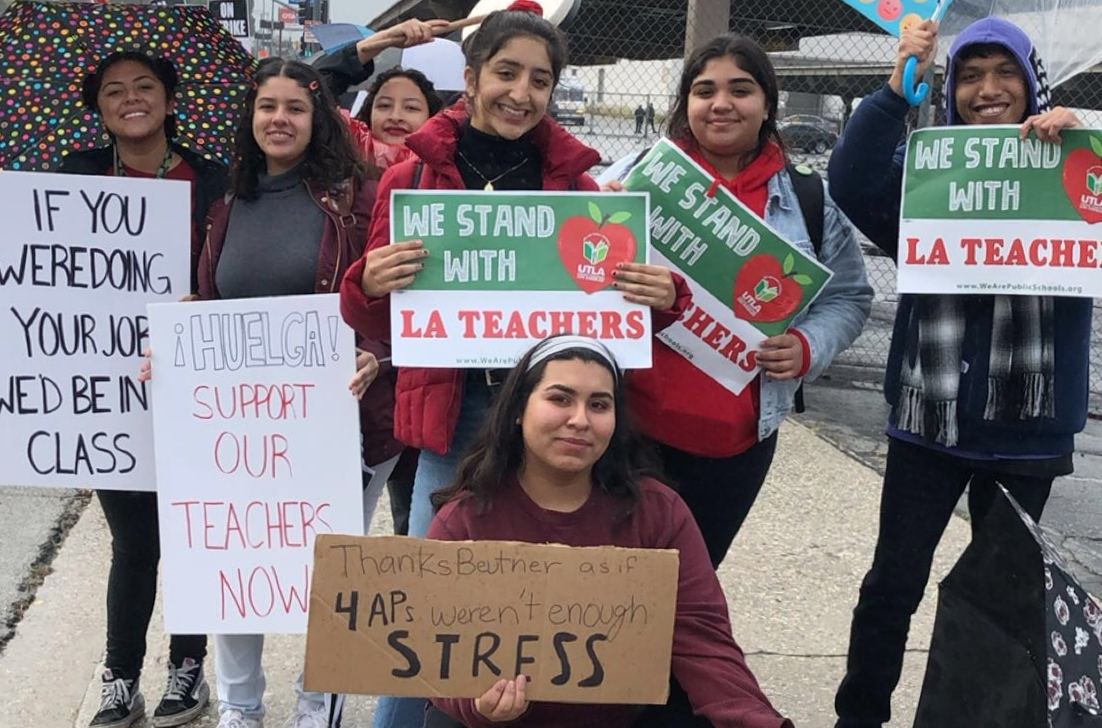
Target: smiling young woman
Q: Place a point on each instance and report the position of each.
(499, 137)
(133, 94)
(717, 445)
(297, 217)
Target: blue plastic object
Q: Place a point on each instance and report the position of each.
(914, 94)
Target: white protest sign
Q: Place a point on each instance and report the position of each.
(80, 257)
(258, 452)
(986, 212)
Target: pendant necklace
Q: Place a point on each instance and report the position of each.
(120, 170)
(490, 182)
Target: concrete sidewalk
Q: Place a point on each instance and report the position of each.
(791, 581)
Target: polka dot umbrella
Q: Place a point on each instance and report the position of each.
(47, 48)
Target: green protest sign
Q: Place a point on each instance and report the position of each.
(748, 282)
(506, 269)
(986, 211)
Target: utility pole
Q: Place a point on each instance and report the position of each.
(704, 20)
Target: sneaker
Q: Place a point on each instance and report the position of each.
(310, 715)
(186, 695)
(121, 705)
(235, 719)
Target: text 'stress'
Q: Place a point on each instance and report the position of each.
(258, 452)
(80, 257)
(748, 283)
(508, 269)
(405, 616)
(986, 212)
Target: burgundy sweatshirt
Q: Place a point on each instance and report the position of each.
(706, 661)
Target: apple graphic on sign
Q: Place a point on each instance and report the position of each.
(591, 247)
(767, 290)
(1082, 176)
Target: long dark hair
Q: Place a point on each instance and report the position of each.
(432, 99)
(161, 68)
(501, 26)
(750, 57)
(331, 157)
(497, 453)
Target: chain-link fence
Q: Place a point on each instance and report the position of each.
(626, 63)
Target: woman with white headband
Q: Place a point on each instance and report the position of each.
(558, 462)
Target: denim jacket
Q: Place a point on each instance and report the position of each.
(835, 319)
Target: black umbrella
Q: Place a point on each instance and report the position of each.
(1017, 641)
(48, 48)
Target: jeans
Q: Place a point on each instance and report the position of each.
(238, 662)
(435, 471)
(719, 491)
(399, 486)
(132, 583)
(921, 489)
(241, 681)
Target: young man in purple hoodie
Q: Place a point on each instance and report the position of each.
(956, 363)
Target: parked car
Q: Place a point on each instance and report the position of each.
(810, 119)
(807, 137)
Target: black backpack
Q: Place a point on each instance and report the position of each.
(809, 192)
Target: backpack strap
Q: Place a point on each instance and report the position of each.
(418, 170)
(808, 186)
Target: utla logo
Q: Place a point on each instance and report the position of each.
(1082, 176)
(767, 290)
(591, 247)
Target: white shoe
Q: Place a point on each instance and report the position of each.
(234, 719)
(310, 715)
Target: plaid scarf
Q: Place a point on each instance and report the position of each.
(1020, 364)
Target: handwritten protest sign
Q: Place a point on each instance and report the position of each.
(748, 283)
(80, 257)
(405, 616)
(986, 212)
(258, 452)
(507, 269)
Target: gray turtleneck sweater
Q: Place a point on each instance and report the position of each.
(272, 242)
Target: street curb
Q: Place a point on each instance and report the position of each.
(42, 566)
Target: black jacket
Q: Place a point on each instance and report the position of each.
(210, 185)
(342, 70)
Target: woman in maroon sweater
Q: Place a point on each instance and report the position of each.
(558, 463)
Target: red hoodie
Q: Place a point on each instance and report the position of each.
(679, 405)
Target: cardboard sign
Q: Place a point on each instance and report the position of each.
(986, 212)
(80, 257)
(748, 282)
(405, 616)
(508, 269)
(258, 452)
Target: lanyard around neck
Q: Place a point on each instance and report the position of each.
(120, 169)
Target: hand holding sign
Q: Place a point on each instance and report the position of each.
(1049, 124)
(505, 701)
(647, 285)
(367, 368)
(782, 357)
(392, 267)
